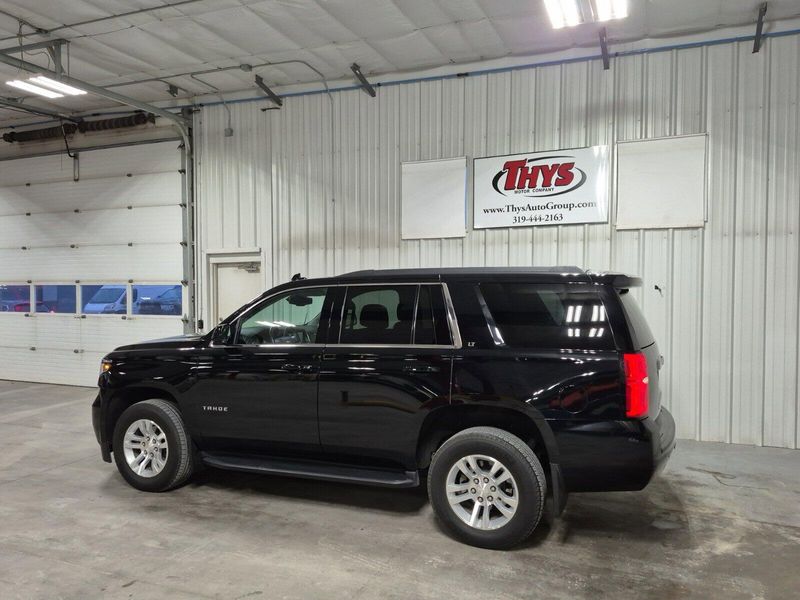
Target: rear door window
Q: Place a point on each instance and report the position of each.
(378, 314)
(527, 315)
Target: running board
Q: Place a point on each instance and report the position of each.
(310, 469)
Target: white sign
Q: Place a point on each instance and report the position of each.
(433, 199)
(650, 195)
(542, 188)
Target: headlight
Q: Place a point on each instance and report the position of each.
(105, 365)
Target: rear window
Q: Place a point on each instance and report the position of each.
(641, 330)
(530, 315)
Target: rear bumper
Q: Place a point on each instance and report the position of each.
(663, 441)
(607, 456)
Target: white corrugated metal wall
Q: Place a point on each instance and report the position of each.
(727, 316)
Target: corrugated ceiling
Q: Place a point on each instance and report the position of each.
(383, 36)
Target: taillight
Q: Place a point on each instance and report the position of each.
(22, 307)
(636, 383)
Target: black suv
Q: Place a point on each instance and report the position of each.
(495, 384)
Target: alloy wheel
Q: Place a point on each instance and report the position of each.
(482, 492)
(145, 447)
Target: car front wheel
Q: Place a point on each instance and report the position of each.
(487, 487)
(152, 449)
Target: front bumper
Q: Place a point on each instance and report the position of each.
(98, 418)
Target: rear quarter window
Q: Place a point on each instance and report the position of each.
(639, 328)
(529, 315)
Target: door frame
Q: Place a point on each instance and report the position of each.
(226, 257)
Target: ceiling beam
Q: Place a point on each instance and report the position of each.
(762, 11)
(179, 120)
(35, 46)
(604, 49)
(270, 94)
(365, 85)
(17, 105)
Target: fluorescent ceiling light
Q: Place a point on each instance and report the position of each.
(611, 9)
(57, 86)
(34, 89)
(563, 13)
(620, 8)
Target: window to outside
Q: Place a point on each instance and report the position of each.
(55, 298)
(110, 299)
(157, 300)
(378, 315)
(542, 316)
(431, 324)
(15, 298)
(291, 318)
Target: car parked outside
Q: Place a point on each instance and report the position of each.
(109, 299)
(168, 302)
(17, 298)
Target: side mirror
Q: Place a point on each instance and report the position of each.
(222, 334)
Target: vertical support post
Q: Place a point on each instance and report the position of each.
(55, 53)
(187, 204)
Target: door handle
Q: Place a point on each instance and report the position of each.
(421, 369)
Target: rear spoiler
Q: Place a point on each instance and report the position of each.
(617, 280)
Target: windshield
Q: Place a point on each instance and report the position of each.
(171, 294)
(107, 295)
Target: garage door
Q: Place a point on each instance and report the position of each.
(90, 258)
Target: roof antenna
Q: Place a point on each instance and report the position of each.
(297, 277)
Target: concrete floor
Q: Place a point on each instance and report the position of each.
(722, 522)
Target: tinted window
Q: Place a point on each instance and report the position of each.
(547, 316)
(157, 300)
(290, 318)
(15, 298)
(641, 330)
(431, 325)
(56, 298)
(378, 315)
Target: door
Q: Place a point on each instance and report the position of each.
(387, 366)
(258, 393)
(235, 284)
(70, 227)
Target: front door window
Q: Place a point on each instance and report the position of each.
(289, 318)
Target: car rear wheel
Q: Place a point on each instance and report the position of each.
(152, 449)
(487, 487)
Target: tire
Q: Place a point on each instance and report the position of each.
(161, 422)
(516, 485)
